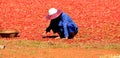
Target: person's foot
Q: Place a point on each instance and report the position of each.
(57, 38)
(66, 38)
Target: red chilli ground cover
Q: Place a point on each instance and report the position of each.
(98, 20)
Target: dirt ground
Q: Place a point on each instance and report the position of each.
(97, 20)
(10, 52)
(40, 49)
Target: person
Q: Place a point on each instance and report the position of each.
(61, 23)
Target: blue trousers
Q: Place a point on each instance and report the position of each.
(72, 31)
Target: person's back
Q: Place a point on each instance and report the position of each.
(66, 25)
(68, 19)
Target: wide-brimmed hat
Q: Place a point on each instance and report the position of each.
(53, 13)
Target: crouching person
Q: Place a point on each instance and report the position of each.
(61, 23)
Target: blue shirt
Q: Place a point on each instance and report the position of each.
(63, 24)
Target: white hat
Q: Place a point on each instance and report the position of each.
(53, 13)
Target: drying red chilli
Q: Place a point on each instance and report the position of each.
(95, 19)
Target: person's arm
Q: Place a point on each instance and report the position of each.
(65, 29)
(65, 22)
(66, 19)
(49, 28)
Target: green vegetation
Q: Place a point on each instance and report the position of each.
(57, 44)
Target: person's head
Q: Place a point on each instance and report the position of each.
(53, 13)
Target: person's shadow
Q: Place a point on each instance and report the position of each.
(52, 36)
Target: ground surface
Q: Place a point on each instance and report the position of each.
(38, 49)
(98, 22)
(56, 53)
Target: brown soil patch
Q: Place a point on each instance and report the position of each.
(55, 53)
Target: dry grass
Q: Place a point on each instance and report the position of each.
(31, 48)
(58, 44)
(110, 56)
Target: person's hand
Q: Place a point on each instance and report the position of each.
(44, 34)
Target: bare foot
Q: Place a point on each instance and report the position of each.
(57, 38)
